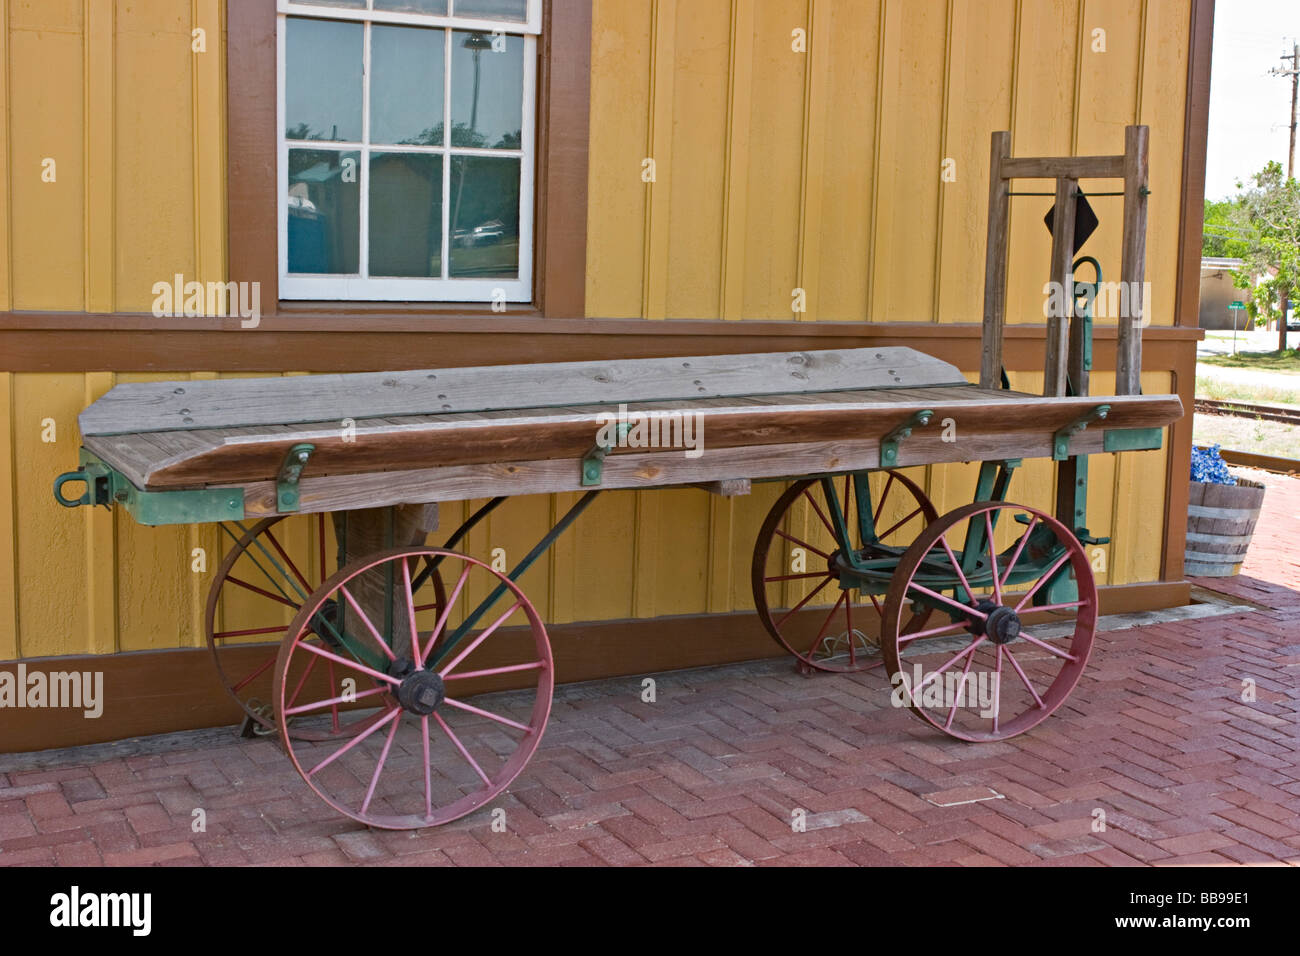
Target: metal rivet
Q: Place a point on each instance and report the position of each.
(185, 411)
(188, 421)
(179, 391)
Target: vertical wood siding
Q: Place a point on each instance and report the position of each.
(774, 170)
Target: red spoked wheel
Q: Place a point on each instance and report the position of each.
(424, 755)
(1008, 657)
(796, 570)
(260, 585)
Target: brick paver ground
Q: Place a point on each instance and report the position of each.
(1156, 737)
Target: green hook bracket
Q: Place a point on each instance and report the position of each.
(889, 444)
(1061, 440)
(286, 480)
(593, 463)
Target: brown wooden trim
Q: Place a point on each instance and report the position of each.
(41, 343)
(560, 217)
(1246, 459)
(1196, 124)
(1187, 297)
(155, 692)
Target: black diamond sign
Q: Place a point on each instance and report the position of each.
(1085, 220)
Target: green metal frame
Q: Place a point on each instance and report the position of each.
(107, 486)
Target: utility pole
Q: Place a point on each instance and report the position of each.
(1294, 73)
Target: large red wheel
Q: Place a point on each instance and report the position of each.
(261, 583)
(425, 755)
(796, 570)
(1009, 654)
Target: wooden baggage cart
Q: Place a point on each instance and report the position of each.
(382, 682)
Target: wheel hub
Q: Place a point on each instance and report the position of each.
(421, 692)
(1001, 626)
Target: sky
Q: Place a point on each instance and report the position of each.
(1250, 111)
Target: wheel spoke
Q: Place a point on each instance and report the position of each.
(257, 673)
(461, 747)
(1042, 580)
(1020, 546)
(1058, 607)
(811, 595)
(969, 649)
(376, 722)
(1030, 687)
(334, 701)
(428, 769)
(820, 514)
(803, 544)
(993, 557)
(410, 613)
(379, 766)
(895, 527)
(311, 664)
(964, 608)
(355, 665)
(932, 632)
(961, 687)
(461, 705)
(249, 632)
(383, 645)
(487, 632)
(825, 624)
(997, 690)
(795, 577)
(880, 506)
(493, 671)
(302, 578)
(441, 623)
(239, 582)
(961, 575)
(1047, 647)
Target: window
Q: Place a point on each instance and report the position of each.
(406, 149)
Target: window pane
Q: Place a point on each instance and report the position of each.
(487, 89)
(406, 215)
(406, 85)
(323, 80)
(435, 7)
(484, 217)
(324, 211)
(516, 10)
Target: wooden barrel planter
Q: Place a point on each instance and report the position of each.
(1220, 522)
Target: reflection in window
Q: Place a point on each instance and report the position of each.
(324, 211)
(486, 90)
(323, 80)
(406, 214)
(484, 216)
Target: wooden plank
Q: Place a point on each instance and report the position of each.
(995, 263)
(243, 458)
(1061, 303)
(1073, 167)
(165, 406)
(645, 471)
(1128, 358)
(727, 487)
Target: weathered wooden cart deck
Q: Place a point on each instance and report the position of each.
(438, 435)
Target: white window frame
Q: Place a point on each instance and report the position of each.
(361, 287)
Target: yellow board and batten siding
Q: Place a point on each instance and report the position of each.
(775, 170)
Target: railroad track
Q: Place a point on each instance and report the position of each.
(1269, 413)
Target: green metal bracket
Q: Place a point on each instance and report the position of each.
(1132, 439)
(1061, 440)
(889, 444)
(286, 480)
(593, 463)
(106, 486)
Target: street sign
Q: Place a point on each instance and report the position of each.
(1237, 305)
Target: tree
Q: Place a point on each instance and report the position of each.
(1271, 210)
(1227, 233)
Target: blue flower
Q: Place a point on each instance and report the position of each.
(1208, 467)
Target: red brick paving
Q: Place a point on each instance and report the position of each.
(1156, 736)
